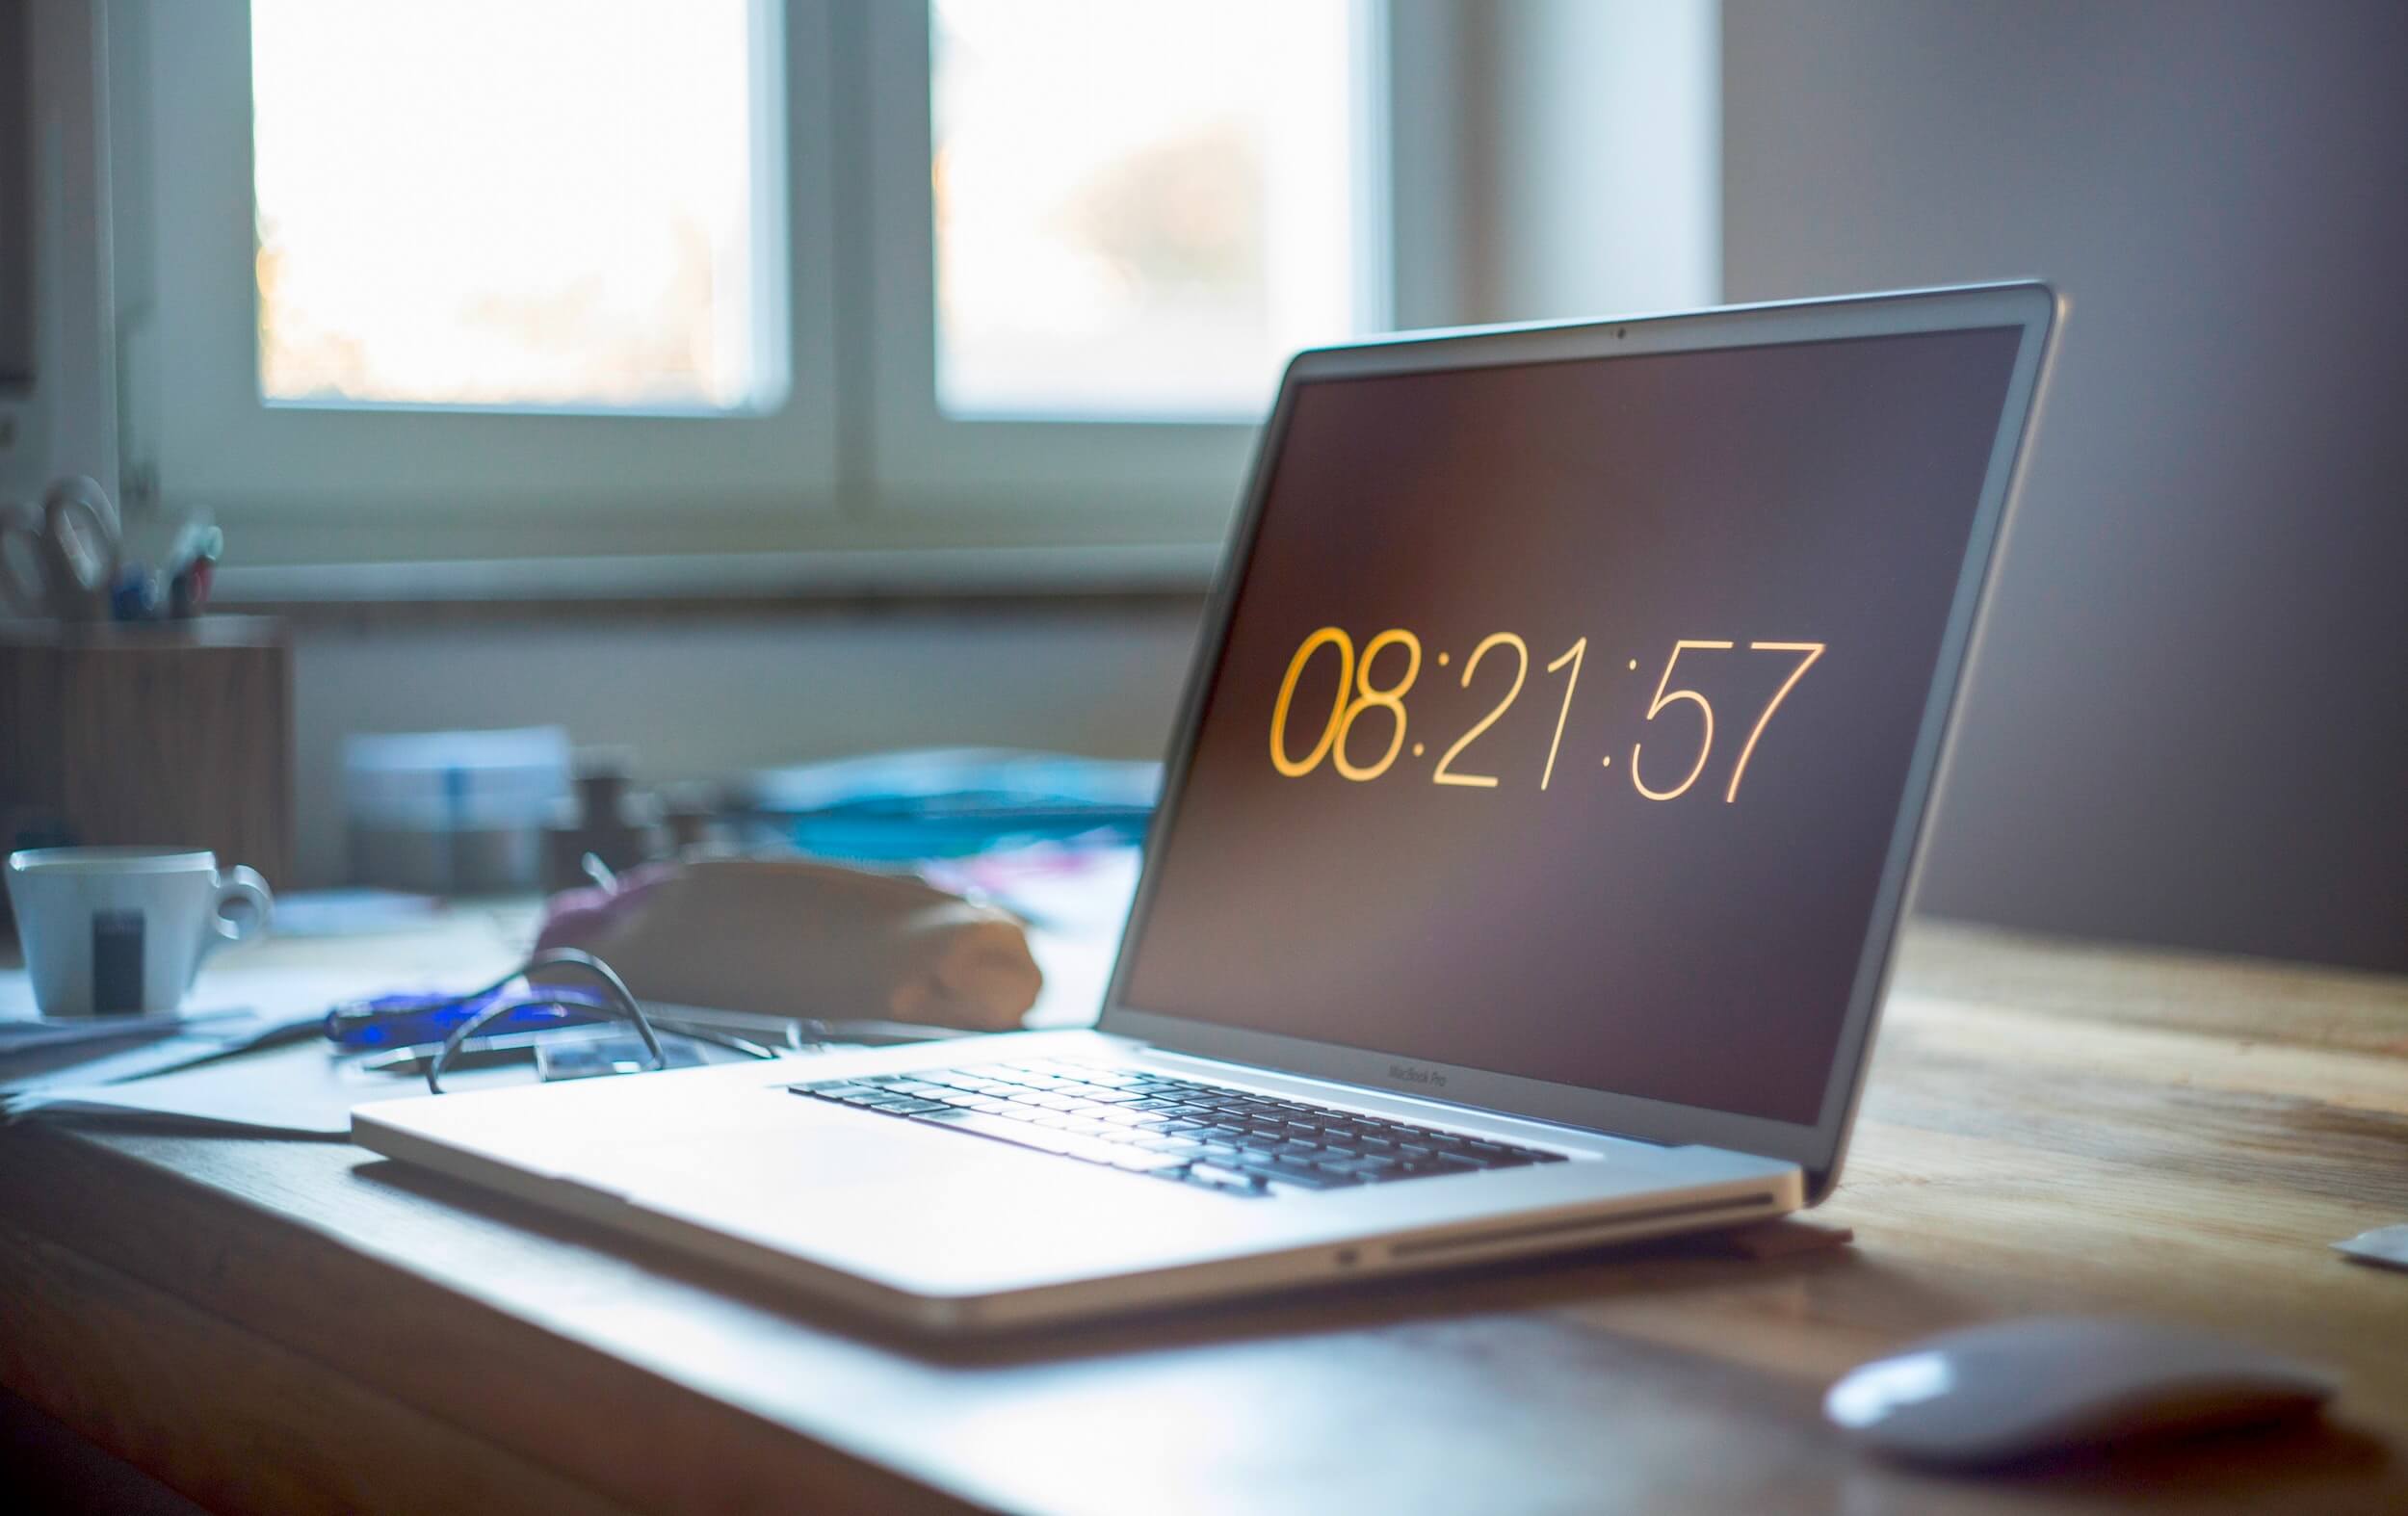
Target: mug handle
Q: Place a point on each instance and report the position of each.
(85, 560)
(238, 884)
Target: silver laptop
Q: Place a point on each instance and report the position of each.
(1529, 855)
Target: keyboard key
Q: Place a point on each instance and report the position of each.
(989, 1127)
(1220, 1177)
(1103, 1153)
(1303, 1176)
(1138, 1161)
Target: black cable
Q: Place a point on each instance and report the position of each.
(558, 958)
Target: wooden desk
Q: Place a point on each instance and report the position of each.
(293, 1326)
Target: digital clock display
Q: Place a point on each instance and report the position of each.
(1564, 716)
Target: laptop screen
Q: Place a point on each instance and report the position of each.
(1565, 711)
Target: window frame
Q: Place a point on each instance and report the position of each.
(873, 483)
(1163, 465)
(400, 477)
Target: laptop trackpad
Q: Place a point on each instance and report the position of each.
(922, 1209)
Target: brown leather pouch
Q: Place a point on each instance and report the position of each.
(785, 937)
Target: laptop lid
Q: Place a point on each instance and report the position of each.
(1569, 706)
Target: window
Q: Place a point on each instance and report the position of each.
(1140, 210)
(442, 280)
(653, 279)
(566, 214)
(612, 276)
(1059, 321)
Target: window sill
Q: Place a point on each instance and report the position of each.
(711, 584)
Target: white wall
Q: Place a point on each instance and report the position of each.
(1567, 167)
(1567, 157)
(1607, 196)
(67, 423)
(707, 699)
(2191, 724)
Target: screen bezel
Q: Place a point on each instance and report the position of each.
(1818, 1147)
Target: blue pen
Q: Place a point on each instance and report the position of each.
(396, 1021)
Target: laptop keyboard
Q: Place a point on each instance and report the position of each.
(1209, 1136)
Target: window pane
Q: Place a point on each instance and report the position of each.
(508, 202)
(1142, 206)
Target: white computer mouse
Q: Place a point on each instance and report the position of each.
(2019, 1389)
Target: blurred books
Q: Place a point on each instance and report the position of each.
(949, 802)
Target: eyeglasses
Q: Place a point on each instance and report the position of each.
(515, 1006)
(473, 1013)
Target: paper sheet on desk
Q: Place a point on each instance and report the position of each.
(88, 1064)
(293, 997)
(22, 1034)
(294, 1092)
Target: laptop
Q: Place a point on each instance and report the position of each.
(1530, 850)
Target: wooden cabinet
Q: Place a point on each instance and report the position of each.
(174, 733)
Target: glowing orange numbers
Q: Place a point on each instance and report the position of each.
(1329, 635)
(1813, 651)
(1705, 712)
(1368, 697)
(1374, 683)
(1356, 695)
(1471, 664)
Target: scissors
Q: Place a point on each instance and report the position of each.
(61, 559)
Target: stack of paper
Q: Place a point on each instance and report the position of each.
(20, 1035)
(38, 1054)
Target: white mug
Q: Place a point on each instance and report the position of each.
(123, 931)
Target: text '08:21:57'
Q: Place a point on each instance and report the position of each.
(1361, 691)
